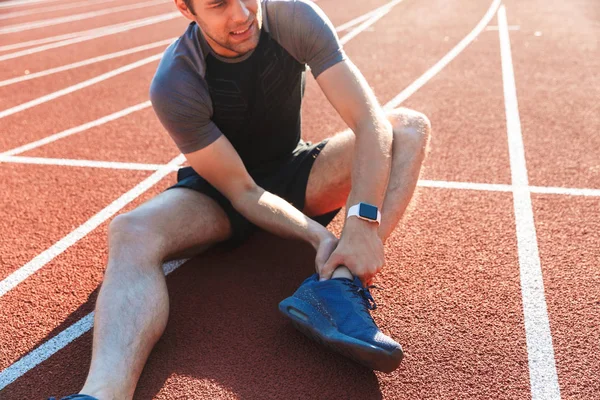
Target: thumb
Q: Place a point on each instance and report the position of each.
(328, 268)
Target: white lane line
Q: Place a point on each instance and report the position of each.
(86, 62)
(60, 341)
(375, 17)
(81, 85)
(53, 8)
(48, 255)
(430, 73)
(26, 268)
(77, 129)
(82, 36)
(364, 17)
(76, 17)
(488, 187)
(542, 367)
(82, 163)
(18, 3)
(23, 370)
(565, 191)
(128, 67)
(495, 27)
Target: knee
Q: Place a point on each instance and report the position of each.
(411, 128)
(134, 237)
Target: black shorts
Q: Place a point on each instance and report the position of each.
(288, 179)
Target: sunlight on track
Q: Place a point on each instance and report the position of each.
(36, 356)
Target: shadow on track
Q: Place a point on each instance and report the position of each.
(224, 330)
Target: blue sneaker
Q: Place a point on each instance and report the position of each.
(76, 397)
(336, 314)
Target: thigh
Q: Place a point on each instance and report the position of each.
(329, 182)
(187, 221)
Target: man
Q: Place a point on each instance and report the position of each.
(229, 92)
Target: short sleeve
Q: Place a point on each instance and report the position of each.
(182, 104)
(304, 30)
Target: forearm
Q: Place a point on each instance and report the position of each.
(372, 162)
(274, 214)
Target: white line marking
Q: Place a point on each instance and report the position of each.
(86, 62)
(76, 17)
(382, 11)
(25, 270)
(82, 163)
(542, 368)
(27, 368)
(430, 73)
(77, 129)
(81, 85)
(489, 187)
(48, 255)
(53, 8)
(18, 3)
(60, 341)
(565, 191)
(364, 17)
(495, 27)
(82, 36)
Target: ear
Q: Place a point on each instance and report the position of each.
(184, 10)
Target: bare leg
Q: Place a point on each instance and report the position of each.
(133, 304)
(329, 182)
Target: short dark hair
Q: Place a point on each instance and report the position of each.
(189, 5)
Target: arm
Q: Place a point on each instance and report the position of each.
(360, 248)
(222, 167)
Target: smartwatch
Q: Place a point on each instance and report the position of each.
(365, 211)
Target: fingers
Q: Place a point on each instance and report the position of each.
(330, 266)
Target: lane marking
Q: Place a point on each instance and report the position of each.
(343, 27)
(74, 236)
(76, 17)
(25, 367)
(25, 271)
(542, 367)
(18, 3)
(495, 27)
(565, 191)
(82, 36)
(458, 185)
(364, 17)
(53, 8)
(129, 67)
(77, 129)
(82, 163)
(81, 85)
(89, 61)
(431, 72)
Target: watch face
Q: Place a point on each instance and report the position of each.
(367, 211)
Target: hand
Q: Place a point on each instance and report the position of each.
(360, 249)
(326, 246)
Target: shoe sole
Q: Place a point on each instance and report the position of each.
(314, 325)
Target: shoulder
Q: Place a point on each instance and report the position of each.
(288, 15)
(182, 67)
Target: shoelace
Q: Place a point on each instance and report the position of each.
(368, 301)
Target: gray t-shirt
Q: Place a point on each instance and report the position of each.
(254, 100)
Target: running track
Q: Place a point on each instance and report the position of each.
(491, 282)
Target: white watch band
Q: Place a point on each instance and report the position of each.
(353, 211)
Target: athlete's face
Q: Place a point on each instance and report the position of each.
(231, 27)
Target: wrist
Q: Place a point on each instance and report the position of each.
(354, 223)
(317, 233)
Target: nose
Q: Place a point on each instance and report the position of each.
(240, 12)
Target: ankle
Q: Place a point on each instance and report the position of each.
(342, 272)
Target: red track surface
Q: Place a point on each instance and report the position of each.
(452, 281)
